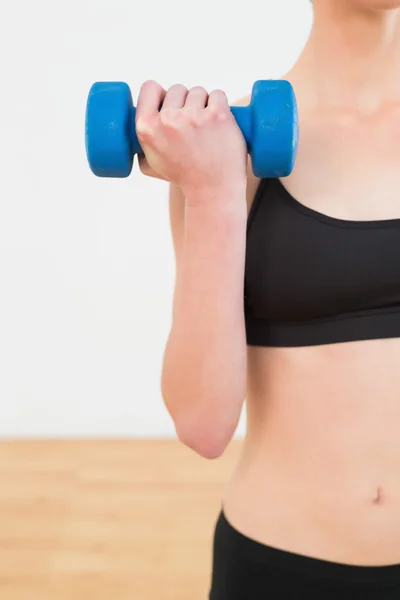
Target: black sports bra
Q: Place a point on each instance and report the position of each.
(312, 279)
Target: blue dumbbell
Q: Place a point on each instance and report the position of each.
(269, 125)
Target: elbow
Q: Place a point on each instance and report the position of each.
(204, 446)
(206, 425)
(208, 441)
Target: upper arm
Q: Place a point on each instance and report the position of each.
(177, 206)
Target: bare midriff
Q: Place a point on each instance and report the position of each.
(319, 473)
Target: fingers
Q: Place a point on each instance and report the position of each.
(151, 97)
(178, 96)
(146, 169)
(154, 100)
(217, 98)
(175, 97)
(197, 97)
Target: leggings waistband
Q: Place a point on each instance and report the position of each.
(234, 542)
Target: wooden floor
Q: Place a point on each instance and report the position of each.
(113, 520)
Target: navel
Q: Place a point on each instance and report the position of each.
(378, 497)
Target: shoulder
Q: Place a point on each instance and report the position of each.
(252, 180)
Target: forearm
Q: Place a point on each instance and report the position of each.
(204, 373)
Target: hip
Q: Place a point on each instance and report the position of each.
(244, 569)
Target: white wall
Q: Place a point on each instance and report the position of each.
(86, 265)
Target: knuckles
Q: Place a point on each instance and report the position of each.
(194, 117)
(179, 118)
(144, 126)
(219, 113)
(170, 117)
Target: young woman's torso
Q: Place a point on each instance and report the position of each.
(319, 473)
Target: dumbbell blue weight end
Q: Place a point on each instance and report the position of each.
(109, 129)
(275, 128)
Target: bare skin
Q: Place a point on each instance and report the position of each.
(320, 469)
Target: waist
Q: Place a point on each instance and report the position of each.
(319, 470)
(346, 514)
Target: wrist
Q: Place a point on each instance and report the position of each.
(232, 193)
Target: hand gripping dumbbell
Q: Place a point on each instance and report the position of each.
(269, 125)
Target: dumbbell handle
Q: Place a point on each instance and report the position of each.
(242, 116)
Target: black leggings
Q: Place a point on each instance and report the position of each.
(244, 569)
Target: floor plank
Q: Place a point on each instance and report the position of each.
(108, 519)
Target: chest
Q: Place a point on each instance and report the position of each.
(349, 167)
(326, 240)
